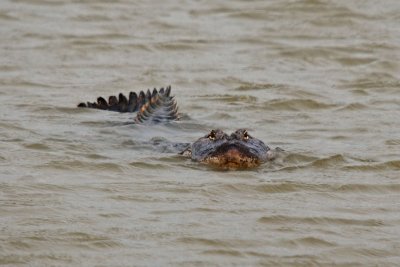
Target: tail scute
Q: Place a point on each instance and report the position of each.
(152, 106)
(161, 107)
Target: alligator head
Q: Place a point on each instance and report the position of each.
(236, 151)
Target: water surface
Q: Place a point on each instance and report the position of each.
(82, 187)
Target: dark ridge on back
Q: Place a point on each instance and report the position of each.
(160, 108)
(152, 107)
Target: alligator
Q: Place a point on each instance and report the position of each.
(239, 150)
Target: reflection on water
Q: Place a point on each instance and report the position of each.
(86, 187)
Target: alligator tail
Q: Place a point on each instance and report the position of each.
(120, 104)
(161, 107)
(153, 107)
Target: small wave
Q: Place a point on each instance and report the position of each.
(334, 160)
(230, 98)
(312, 56)
(15, 259)
(282, 187)
(309, 242)
(41, 2)
(218, 243)
(368, 253)
(353, 106)
(393, 142)
(360, 92)
(223, 252)
(95, 156)
(81, 236)
(100, 36)
(90, 17)
(177, 46)
(44, 187)
(313, 241)
(102, 123)
(296, 105)
(77, 164)
(163, 25)
(112, 215)
(135, 198)
(288, 187)
(54, 110)
(258, 86)
(136, 46)
(299, 158)
(17, 82)
(297, 161)
(369, 188)
(19, 245)
(389, 165)
(148, 165)
(203, 241)
(212, 10)
(5, 16)
(37, 146)
(258, 15)
(6, 68)
(269, 188)
(108, 166)
(90, 240)
(40, 36)
(380, 81)
(353, 61)
(318, 220)
(220, 116)
(339, 137)
(94, 45)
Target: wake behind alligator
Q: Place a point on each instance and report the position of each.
(238, 150)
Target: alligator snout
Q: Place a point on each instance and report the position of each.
(235, 151)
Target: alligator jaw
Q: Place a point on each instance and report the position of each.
(231, 157)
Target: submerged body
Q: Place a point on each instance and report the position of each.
(218, 149)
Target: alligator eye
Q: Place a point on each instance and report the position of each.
(212, 136)
(246, 135)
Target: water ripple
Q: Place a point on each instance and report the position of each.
(296, 104)
(319, 220)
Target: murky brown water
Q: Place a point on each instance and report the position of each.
(318, 78)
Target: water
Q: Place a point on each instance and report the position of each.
(81, 187)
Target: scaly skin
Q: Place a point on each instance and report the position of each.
(154, 107)
(236, 151)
